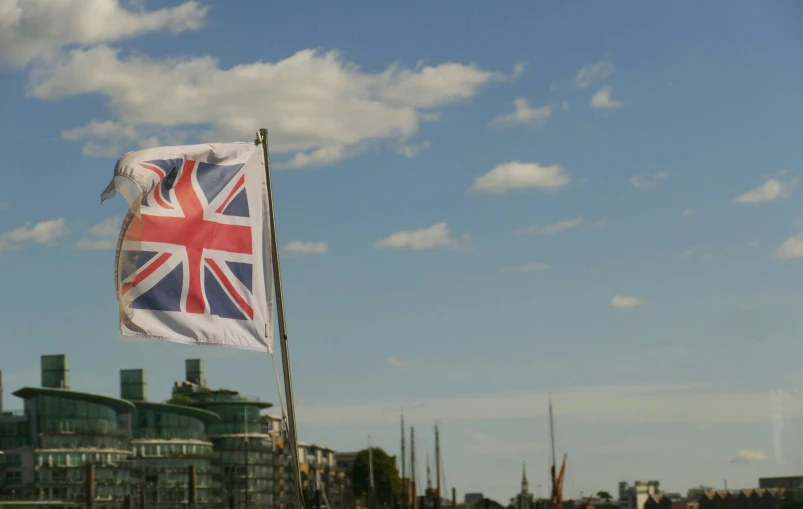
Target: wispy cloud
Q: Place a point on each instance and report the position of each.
(518, 175)
(549, 229)
(4, 205)
(300, 247)
(436, 236)
(689, 212)
(625, 302)
(749, 456)
(527, 267)
(43, 233)
(791, 248)
(771, 190)
(523, 113)
(411, 151)
(101, 236)
(590, 73)
(602, 99)
(396, 362)
(649, 181)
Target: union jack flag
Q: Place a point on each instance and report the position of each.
(193, 256)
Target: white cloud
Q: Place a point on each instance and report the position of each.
(648, 182)
(435, 236)
(680, 403)
(771, 190)
(412, 150)
(319, 157)
(549, 229)
(318, 106)
(95, 244)
(689, 212)
(593, 72)
(101, 236)
(791, 248)
(519, 69)
(688, 253)
(527, 267)
(44, 232)
(4, 205)
(517, 175)
(749, 456)
(523, 114)
(38, 29)
(622, 301)
(602, 99)
(396, 362)
(298, 246)
(106, 139)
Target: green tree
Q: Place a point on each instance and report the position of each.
(604, 495)
(386, 477)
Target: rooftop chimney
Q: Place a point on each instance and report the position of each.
(195, 370)
(133, 384)
(56, 371)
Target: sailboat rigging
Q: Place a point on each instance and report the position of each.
(557, 479)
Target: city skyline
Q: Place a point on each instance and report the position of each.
(476, 207)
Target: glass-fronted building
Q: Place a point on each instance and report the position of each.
(67, 432)
(72, 450)
(244, 454)
(172, 455)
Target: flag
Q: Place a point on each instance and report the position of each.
(193, 262)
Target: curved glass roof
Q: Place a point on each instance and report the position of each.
(197, 413)
(119, 405)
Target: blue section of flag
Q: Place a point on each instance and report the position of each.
(219, 302)
(238, 206)
(242, 271)
(164, 295)
(213, 178)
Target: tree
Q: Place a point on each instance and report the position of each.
(604, 495)
(386, 477)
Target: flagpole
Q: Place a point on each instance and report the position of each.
(262, 137)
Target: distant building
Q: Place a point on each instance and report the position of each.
(742, 499)
(670, 501)
(345, 461)
(599, 503)
(320, 475)
(472, 498)
(635, 496)
(791, 483)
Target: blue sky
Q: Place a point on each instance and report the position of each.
(599, 200)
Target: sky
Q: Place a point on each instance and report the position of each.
(477, 204)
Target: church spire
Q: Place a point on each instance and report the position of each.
(525, 488)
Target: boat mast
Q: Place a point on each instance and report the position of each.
(412, 467)
(437, 468)
(405, 491)
(552, 442)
